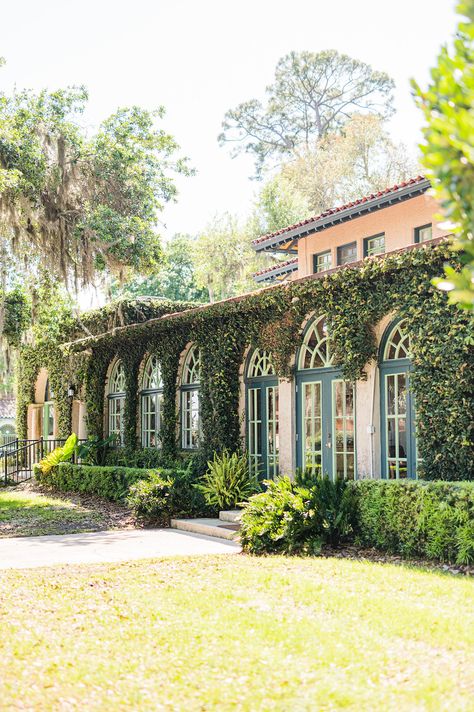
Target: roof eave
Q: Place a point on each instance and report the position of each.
(381, 201)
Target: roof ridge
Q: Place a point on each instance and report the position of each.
(339, 208)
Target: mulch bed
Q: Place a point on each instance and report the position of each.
(113, 515)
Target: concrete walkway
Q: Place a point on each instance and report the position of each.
(107, 546)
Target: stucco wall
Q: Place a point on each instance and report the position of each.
(398, 222)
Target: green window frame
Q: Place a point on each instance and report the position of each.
(190, 400)
(262, 408)
(399, 451)
(116, 401)
(322, 261)
(325, 413)
(347, 253)
(151, 403)
(423, 233)
(374, 245)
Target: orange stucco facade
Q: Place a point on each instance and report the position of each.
(397, 222)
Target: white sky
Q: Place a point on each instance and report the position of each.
(201, 58)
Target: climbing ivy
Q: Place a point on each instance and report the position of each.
(353, 300)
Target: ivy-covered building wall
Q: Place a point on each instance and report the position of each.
(357, 303)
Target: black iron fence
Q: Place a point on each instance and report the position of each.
(18, 457)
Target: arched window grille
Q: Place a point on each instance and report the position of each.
(190, 410)
(151, 403)
(262, 415)
(116, 401)
(397, 407)
(316, 350)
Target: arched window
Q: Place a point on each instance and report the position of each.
(397, 409)
(48, 412)
(151, 403)
(116, 400)
(190, 411)
(315, 350)
(262, 414)
(325, 408)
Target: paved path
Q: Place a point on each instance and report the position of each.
(107, 546)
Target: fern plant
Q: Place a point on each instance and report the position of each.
(228, 481)
(59, 454)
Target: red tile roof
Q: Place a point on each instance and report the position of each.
(277, 265)
(332, 211)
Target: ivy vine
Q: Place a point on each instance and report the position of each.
(353, 300)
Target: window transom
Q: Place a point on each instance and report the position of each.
(192, 366)
(117, 379)
(398, 343)
(260, 364)
(316, 351)
(152, 380)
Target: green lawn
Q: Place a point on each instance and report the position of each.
(236, 633)
(29, 512)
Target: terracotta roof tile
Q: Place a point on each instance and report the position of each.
(339, 208)
(277, 265)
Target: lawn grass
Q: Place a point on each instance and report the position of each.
(26, 511)
(236, 633)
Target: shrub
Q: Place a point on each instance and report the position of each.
(59, 454)
(433, 520)
(228, 481)
(290, 518)
(150, 499)
(109, 482)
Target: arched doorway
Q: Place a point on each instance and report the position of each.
(397, 405)
(262, 415)
(325, 416)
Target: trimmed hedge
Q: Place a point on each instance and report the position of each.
(432, 520)
(109, 482)
(157, 494)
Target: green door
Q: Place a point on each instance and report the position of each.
(326, 424)
(262, 408)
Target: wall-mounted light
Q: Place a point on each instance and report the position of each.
(71, 391)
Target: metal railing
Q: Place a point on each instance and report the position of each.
(18, 457)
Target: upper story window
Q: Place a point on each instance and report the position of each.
(347, 253)
(423, 233)
(190, 410)
(116, 400)
(151, 403)
(374, 245)
(322, 261)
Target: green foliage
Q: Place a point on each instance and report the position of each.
(94, 450)
(16, 315)
(228, 482)
(163, 495)
(81, 205)
(312, 95)
(292, 519)
(431, 520)
(354, 300)
(59, 454)
(150, 499)
(109, 482)
(448, 153)
(175, 279)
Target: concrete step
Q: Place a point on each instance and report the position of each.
(208, 527)
(231, 515)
